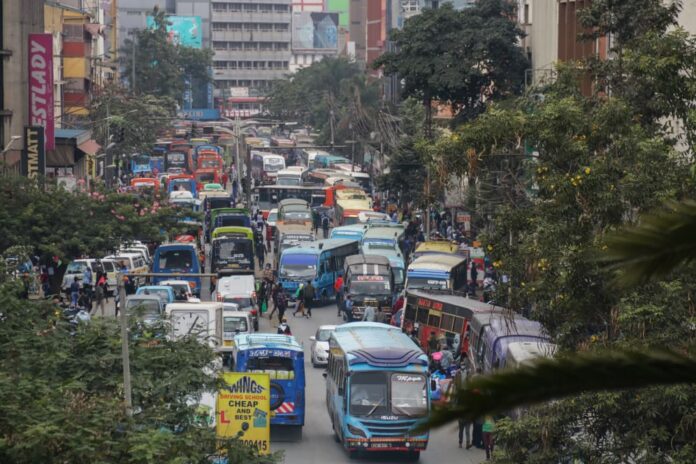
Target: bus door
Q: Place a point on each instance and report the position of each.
(286, 370)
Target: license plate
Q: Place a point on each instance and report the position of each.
(228, 343)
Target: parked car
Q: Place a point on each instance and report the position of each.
(149, 308)
(320, 345)
(241, 290)
(165, 292)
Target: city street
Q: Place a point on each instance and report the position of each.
(317, 444)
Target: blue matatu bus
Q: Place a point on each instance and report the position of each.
(177, 258)
(377, 389)
(282, 357)
(320, 261)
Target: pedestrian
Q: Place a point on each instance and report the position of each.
(281, 304)
(299, 298)
(488, 441)
(100, 295)
(325, 225)
(316, 221)
(74, 292)
(338, 288)
(87, 281)
(348, 308)
(433, 343)
(262, 296)
(261, 251)
(308, 297)
(275, 289)
(268, 273)
(474, 278)
(83, 301)
(369, 314)
(284, 328)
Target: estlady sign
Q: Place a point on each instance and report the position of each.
(34, 154)
(41, 85)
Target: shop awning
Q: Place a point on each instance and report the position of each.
(90, 147)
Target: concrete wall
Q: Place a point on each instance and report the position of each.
(20, 18)
(544, 37)
(687, 17)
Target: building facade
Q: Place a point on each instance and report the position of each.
(252, 43)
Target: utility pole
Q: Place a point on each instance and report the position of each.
(125, 355)
(108, 160)
(331, 124)
(133, 65)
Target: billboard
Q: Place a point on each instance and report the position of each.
(33, 161)
(314, 31)
(244, 409)
(183, 30)
(41, 86)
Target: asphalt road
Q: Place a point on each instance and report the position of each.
(317, 445)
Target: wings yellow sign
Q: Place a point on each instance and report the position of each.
(243, 409)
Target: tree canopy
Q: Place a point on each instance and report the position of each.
(463, 58)
(160, 66)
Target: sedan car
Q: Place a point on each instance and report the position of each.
(320, 345)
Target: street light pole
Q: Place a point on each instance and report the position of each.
(125, 354)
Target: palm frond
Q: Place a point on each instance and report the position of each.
(662, 241)
(549, 379)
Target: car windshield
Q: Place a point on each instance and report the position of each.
(180, 157)
(298, 215)
(75, 268)
(182, 185)
(234, 249)
(370, 287)
(323, 335)
(272, 217)
(160, 292)
(298, 266)
(242, 302)
(176, 260)
(424, 282)
(146, 308)
(368, 394)
(234, 324)
(229, 220)
(288, 181)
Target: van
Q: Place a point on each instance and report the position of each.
(134, 262)
(233, 323)
(239, 289)
(77, 267)
(137, 246)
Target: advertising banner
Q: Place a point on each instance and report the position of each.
(243, 409)
(33, 162)
(182, 30)
(314, 31)
(41, 86)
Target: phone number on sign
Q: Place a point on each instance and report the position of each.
(261, 445)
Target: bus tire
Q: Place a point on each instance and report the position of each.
(281, 396)
(413, 456)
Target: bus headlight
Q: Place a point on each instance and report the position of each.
(356, 431)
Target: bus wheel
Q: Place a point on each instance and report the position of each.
(413, 456)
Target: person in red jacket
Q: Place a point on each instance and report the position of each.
(338, 288)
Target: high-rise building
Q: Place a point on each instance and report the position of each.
(132, 16)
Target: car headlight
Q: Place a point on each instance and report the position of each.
(356, 431)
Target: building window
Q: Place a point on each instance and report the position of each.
(234, 7)
(265, 8)
(281, 45)
(251, 26)
(250, 46)
(265, 46)
(281, 8)
(219, 26)
(526, 13)
(220, 7)
(266, 27)
(219, 45)
(250, 7)
(234, 26)
(281, 27)
(234, 45)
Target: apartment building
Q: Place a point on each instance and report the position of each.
(252, 43)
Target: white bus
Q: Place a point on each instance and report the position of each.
(265, 166)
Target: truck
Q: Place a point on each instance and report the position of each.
(369, 281)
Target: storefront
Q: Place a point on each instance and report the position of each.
(74, 158)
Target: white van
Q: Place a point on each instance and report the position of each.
(241, 290)
(77, 267)
(135, 263)
(202, 319)
(137, 247)
(233, 323)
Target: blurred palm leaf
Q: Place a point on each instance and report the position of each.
(549, 379)
(662, 241)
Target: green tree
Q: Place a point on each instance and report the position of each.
(61, 392)
(159, 66)
(602, 162)
(464, 58)
(55, 222)
(138, 118)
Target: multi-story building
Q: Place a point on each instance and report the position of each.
(132, 16)
(252, 43)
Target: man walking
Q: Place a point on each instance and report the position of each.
(308, 298)
(281, 305)
(325, 225)
(87, 284)
(100, 295)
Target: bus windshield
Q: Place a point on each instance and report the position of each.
(370, 285)
(234, 248)
(205, 177)
(273, 165)
(385, 393)
(234, 220)
(176, 260)
(288, 181)
(295, 266)
(424, 282)
(232, 324)
(207, 163)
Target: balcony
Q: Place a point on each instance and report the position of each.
(250, 36)
(255, 17)
(249, 74)
(252, 55)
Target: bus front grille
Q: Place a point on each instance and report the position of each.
(389, 428)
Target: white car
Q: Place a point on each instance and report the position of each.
(179, 287)
(320, 345)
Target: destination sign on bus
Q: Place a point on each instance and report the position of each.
(265, 353)
(370, 278)
(425, 303)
